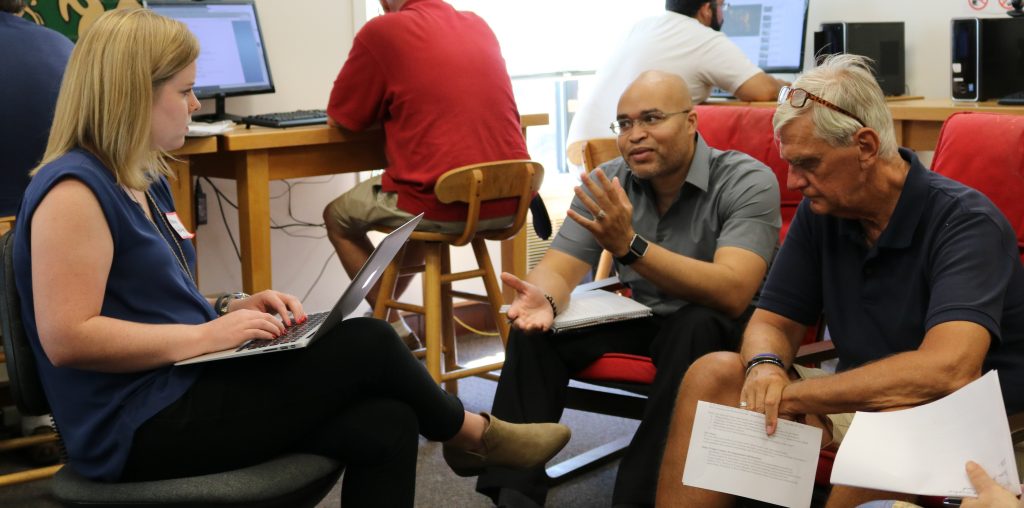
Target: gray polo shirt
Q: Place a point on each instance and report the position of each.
(729, 199)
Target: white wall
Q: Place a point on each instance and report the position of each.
(927, 24)
(307, 41)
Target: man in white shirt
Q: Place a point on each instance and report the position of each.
(684, 40)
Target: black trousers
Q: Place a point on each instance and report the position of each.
(355, 394)
(537, 371)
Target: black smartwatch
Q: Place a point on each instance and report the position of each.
(637, 249)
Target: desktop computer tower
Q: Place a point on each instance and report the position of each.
(987, 58)
(881, 42)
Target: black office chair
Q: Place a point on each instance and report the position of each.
(287, 481)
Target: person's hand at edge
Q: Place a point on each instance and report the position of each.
(990, 493)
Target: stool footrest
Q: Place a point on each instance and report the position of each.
(408, 307)
(470, 296)
(29, 475)
(464, 372)
(23, 442)
(472, 274)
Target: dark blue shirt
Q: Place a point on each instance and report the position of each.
(947, 254)
(32, 61)
(97, 413)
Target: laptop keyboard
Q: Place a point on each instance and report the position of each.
(291, 333)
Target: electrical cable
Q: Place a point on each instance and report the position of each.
(474, 330)
(224, 218)
(318, 276)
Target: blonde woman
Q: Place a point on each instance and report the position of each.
(111, 303)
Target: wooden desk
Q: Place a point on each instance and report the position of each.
(181, 187)
(253, 157)
(918, 121)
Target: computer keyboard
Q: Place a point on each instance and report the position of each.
(1014, 99)
(287, 118)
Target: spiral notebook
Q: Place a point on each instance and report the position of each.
(598, 307)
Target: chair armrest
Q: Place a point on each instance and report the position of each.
(609, 284)
(1017, 427)
(816, 352)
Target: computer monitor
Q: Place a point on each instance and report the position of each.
(770, 32)
(232, 56)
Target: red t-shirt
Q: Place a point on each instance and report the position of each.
(435, 79)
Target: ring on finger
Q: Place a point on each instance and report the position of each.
(743, 403)
(601, 215)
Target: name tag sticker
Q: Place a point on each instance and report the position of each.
(179, 227)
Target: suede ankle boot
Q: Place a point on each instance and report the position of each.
(515, 445)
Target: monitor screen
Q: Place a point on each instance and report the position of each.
(770, 32)
(232, 57)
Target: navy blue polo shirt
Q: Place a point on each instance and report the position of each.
(947, 254)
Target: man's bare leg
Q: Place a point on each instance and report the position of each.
(850, 497)
(715, 377)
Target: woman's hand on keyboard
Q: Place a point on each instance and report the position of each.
(274, 302)
(235, 328)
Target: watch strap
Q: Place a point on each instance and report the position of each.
(637, 248)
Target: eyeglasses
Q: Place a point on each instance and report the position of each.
(650, 119)
(724, 6)
(797, 98)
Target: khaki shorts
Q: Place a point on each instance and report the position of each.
(840, 422)
(366, 205)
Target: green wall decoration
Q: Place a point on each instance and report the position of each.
(71, 17)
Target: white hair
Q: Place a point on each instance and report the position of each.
(847, 82)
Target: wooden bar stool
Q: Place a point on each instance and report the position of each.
(473, 185)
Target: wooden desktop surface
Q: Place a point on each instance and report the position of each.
(253, 157)
(918, 121)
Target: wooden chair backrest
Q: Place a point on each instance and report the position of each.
(477, 183)
(6, 224)
(597, 151)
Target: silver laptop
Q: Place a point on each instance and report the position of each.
(301, 335)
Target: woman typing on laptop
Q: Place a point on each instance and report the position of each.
(105, 272)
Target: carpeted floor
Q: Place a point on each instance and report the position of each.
(436, 485)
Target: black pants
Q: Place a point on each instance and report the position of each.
(537, 370)
(355, 394)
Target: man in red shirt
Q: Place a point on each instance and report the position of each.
(435, 80)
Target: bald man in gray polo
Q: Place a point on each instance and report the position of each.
(693, 231)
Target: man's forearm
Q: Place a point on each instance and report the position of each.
(727, 286)
(897, 382)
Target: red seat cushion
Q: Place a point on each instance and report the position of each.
(986, 152)
(619, 367)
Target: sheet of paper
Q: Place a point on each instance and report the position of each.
(730, 452)
(200, 129)
(923, 450)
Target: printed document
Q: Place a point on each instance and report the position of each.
(730, 452)
(923, 450)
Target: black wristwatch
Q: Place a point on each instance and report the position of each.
(637, 249)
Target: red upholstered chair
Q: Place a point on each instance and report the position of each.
(986, 152)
